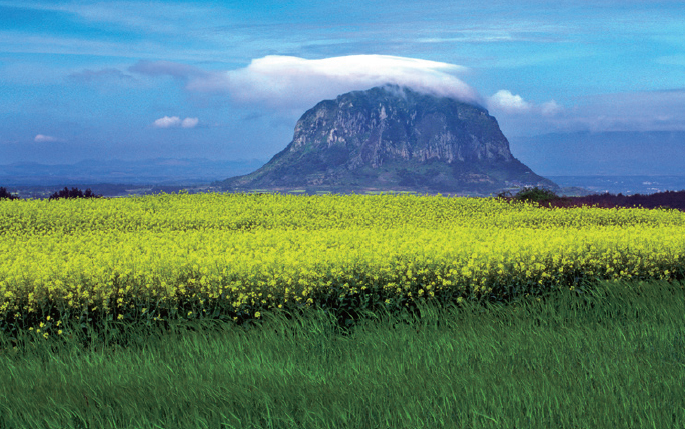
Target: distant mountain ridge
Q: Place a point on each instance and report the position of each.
(393, 138)
(610, 153)
(164, 171)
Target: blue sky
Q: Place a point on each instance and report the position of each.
(228, 80)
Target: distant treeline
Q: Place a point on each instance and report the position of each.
(668, 199)
(547, 198)
(64, 193)
(4, 193)
(73, 193)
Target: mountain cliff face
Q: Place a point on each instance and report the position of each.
(392, 138)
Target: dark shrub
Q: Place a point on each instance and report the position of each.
(536, 194)
(73, 193)
(5, 194)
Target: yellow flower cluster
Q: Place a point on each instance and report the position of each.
(207, 254)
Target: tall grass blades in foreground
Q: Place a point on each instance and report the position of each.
(610, 357)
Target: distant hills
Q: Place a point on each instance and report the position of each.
(616, 153)
(159, 171)
(392, 138)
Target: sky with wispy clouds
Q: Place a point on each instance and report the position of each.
(228, 80)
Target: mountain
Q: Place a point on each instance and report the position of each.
(393, 138)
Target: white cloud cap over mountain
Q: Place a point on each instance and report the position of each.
(286, 81)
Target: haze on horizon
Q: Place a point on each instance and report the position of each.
(227, 81)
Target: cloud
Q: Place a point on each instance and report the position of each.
(194, 79)
(506, 102)
(167, 122)
(509, 102)
(107, 74)
(189, 122)
(282, 80)
(293, 82)
(640, 111)
(42, 138)
(630, 111)
(168, 68)
(518, 116)
(175, 122)
(550, 108)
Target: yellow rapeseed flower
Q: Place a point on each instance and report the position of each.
(240, 248)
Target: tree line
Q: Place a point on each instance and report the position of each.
(64, 193)
(4, 193)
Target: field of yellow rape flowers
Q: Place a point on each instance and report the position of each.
(233, 256)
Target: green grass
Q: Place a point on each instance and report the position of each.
(611, 357)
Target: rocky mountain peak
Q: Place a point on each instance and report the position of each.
(393, 138)
(393, 123)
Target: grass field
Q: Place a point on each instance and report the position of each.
(614, 357)
(266, 311)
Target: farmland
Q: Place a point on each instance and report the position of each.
(245, 259)
(239, 255)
